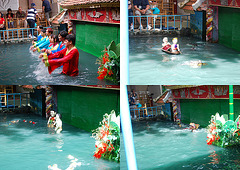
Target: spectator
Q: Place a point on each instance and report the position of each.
(2, 23)
(31, 19)
(21, 15)
(10, 18)
(142, 7)
(47, 9)
(130, 13)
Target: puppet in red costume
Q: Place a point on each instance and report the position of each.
(67, 57)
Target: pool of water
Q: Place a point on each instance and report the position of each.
(35, 146)
(18, 65)
(149, 65)
(163, 145)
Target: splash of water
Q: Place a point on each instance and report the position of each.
(72, 166)
(41, 72)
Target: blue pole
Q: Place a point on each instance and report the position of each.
(167, 22)
(180, 22)
(14, 100)
(174, 22)
(7, 101)
(20, 100)
(124, 80)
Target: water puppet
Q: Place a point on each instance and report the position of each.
(175, 47)
(166, 45)
(43, 39)
(61, 36)
(68, 58)
(39, 29)
(45, 43)
(195, 64)
(171, 49)
(52, 119)
(58, 124)
(193, 126)
(52, 46)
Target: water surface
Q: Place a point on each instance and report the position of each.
(149, 65)
(18, 65)
(163, 145)
(27, 146)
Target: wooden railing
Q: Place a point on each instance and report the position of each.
(18, 23)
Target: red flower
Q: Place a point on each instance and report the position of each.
(105, 59)
(110, 72)
(109, 149)
(102, 74)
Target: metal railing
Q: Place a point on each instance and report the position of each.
(164, 22)
(17, 34)
(146, 111)
(14, 100)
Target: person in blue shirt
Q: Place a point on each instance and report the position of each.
(47, 9)
(62, 36)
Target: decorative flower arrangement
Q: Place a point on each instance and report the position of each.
(110, 63)
(223, 133)
(107, 137)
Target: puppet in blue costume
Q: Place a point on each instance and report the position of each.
(43, 39)
(45, 43)
(62, 36)
(39, 29)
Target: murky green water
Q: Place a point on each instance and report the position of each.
(163, 145)
(149, 65)
(27, 146)
(18, 65)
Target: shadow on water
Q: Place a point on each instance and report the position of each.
(223, 159)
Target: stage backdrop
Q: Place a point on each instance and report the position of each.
(5, 4)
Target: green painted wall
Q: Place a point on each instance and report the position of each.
(84, 107)
(200, 111)
(229, 26)
(94, 37)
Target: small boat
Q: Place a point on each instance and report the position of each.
(169, 52)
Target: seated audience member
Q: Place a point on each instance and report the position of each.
(10, 17)
(142, 7)
(21, 15)
(2, 24)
